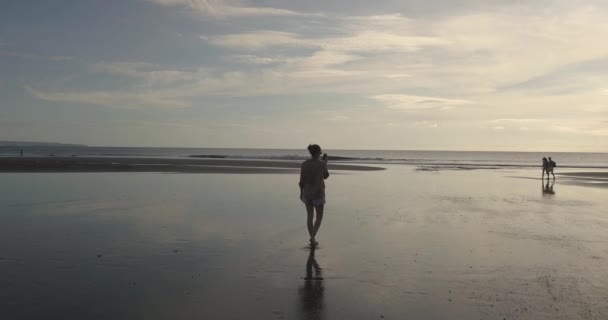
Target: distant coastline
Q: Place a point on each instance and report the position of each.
(39, 144)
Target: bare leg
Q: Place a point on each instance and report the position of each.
(552, 174)
(317, 225)
(310, 211)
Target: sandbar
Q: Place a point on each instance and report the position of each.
(176, 165)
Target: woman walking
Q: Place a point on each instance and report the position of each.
(312, 189)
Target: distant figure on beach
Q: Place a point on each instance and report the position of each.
(552, 165)
(545, 167)
(21, 152)
(312, 189)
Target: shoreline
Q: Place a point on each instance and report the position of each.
(175, 165)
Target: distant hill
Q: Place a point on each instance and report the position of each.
(37, 144)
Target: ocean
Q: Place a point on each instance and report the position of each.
(413, 157)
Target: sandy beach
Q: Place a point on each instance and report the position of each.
(396, 243)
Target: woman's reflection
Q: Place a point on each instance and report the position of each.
(311, 292)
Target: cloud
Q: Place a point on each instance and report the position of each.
(595, 108)
(255, 60)
(409, 102)
(378, 41)
(602, 132)
(258, 40)
(364, 56)
(363, 42)
(150, 74)
(110, 99)
(589, 74)
(562, 128)
(364, 50)
(220, 8)
(427, 124)
(515, 120)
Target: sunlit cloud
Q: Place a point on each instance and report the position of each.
(255, 60)
(522, 120)
(426, 124)
(258, 40)
(223, 8)
(409, 102)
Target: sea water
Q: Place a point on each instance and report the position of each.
(469, 158)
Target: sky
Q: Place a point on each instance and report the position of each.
(347, 74)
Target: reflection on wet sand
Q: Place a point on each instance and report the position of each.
(548, 188)
(311, 292)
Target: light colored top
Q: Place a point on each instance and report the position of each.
(312, 176)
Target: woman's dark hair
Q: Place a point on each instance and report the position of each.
(314, 149)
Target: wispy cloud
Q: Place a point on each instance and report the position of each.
(409, 102)
(128, 100)
(517, 120)
(602, 132)
(426, 124)
(565, 129)
(255, 60)
(150, 74)
(361, 42)
(258, 40)
(223, 8)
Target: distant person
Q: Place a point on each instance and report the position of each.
(312, 189)
(552, 165)
(21, 152)
(545, 167)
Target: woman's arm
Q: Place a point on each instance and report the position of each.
(325, 171)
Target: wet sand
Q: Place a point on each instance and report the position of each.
(176, 165)
(586, 179)
(395, 244)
